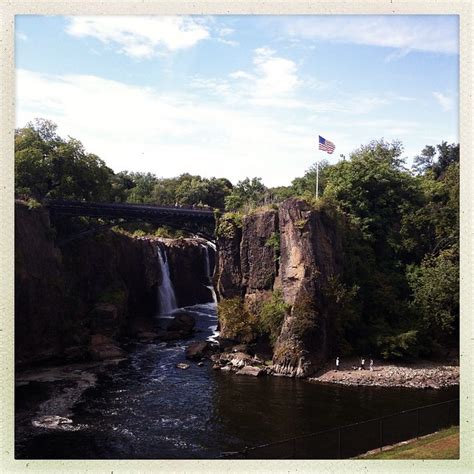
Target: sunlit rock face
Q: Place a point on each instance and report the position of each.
(311, 253)
(296, 250)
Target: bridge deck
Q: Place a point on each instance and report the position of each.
(100, 209)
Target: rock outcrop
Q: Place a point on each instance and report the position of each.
(229, 272)
(310, 255)
(100, 285)
(295, 250)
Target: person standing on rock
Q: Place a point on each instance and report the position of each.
(362, 364)
(371, 364)
(337, 363)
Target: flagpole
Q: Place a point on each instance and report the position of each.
(317, 177)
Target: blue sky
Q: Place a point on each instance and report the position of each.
(239, 96)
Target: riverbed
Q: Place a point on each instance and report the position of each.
(144, 407)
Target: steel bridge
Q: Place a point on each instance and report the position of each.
(190, 219)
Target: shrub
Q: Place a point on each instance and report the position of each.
(304, 320)
(399, 346)
(228, 223)
(274, 242)
(33, 204)
(236, 320)
(272, 314)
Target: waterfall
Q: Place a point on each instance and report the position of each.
(166, 296)
(208, 273)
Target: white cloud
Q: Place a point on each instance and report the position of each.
(228, 42)
(141, 36)
(225, 31)
(276, 75)
(406, 32)
(446, 102)
(272, 82)
(137, 128)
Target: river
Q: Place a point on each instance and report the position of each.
(146, 408)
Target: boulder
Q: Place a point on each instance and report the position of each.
(249, 370)
(240, 359)
(241, 348)
(183, 323)
(198, 350)
(103, 347)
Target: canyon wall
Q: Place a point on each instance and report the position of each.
(294, 250)
(103, 285)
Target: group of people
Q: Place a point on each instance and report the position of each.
(360, 367)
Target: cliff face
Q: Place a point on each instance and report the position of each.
(229, 273)
(100, 285)
(295, 250)
(310, 255)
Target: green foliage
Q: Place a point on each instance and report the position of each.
(237, 322)
(188, 189)
(246, 194)
(272, 314)
(435, 286)
(305, 186)
(274, 242)
(47, 166)
(344, 311)
(436, 160)
(33, 204)
(168, 233)
(228, 223)
(304, 319)
(374, 190)
(399, 346)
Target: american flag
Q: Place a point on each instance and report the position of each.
(326, 145)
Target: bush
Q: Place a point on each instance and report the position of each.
(228, 223)
(435, 287)
(400, 345)
(274, 242)
(236, 320)
(304, 320)
(33, 204)
(272, 314)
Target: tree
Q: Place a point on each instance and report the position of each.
(435, 286)
(306, 185)
(188, 189)
(375, 190)
(250, 192)
(425, 160)
(436, 160)
(143, 185)
(48, 166)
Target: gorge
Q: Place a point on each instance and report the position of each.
(103, 324)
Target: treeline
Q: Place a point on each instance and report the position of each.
(399, 293)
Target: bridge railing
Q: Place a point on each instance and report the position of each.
(99, 208)
(351, 440)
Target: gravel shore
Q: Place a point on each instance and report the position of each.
(420, 374)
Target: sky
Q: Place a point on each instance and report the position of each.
(239, 95)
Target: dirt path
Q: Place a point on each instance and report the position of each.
(420, 374)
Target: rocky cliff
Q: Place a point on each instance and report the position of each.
(294, 251)
(103, 285)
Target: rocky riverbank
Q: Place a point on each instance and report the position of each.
(419, 374)
(243, 360)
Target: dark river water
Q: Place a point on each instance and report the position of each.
(147, 408)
